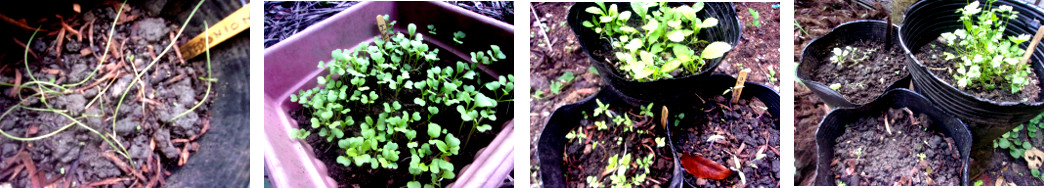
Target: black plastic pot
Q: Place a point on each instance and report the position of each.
(551, 146)
(846, 33)
(835, 122)
(552, 141)
(728, 30)
(986, 119)
(716, 86)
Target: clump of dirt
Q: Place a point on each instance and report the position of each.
(911, 154)
(868, 76)
(589, 157)
(728, 134)
(77, 154)
(931, 56)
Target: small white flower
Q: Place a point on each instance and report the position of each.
(1005, 8)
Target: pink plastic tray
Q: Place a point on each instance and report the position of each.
(291, 65)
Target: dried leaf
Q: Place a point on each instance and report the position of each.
(703, 167)
(1034, 158)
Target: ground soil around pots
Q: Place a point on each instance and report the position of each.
(864, 80)
(868, 155)
(758, 47)
(931, 55)
(815, 19)
(143, 126)
(584, 158)
(809, 111)
(725, 133)
(550, 62)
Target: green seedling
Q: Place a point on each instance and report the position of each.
(984, 58)
(431, 29)
(561, 82)
(835, 86)
(459, 37)
(755, 18)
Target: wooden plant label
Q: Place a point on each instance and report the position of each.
(383, 27)
(223, 30)
(738, 89)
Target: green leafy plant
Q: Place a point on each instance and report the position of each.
(459, 36)
(562, 81)
(984, 58)
(848, 56)
(371, 78)
(661, 44)
(755, 18)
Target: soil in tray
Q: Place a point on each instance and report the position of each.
(867, 155)
(865, 79)
(353, 176)
(724, 133)
(77, 156)
(931, 56)
(590, 156)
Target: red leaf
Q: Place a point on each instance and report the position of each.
(703, 167)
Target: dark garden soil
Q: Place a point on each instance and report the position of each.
(862, 81)
(758, 47)
(76, 156)
(584, 158)
(867, 154)
(931, 56)
(724, 133)
(353, 176)
(815, 19)
(809, 111)
(555, 50)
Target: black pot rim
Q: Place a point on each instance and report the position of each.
(808, 81)
(917, 62)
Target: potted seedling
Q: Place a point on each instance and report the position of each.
(857, 146)
(640, 46)
(853, 64)
(588, 134)
(970, 58)
(401, 108)
(618, 137)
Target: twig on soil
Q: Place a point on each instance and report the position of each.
(26, 47)
(543, 31)
(184, 155)
(887, 127)
(123, 166)
(177, 50)
(106, 181)
(58, 47)
(17, 85)
(12, 21)
(71, 31)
